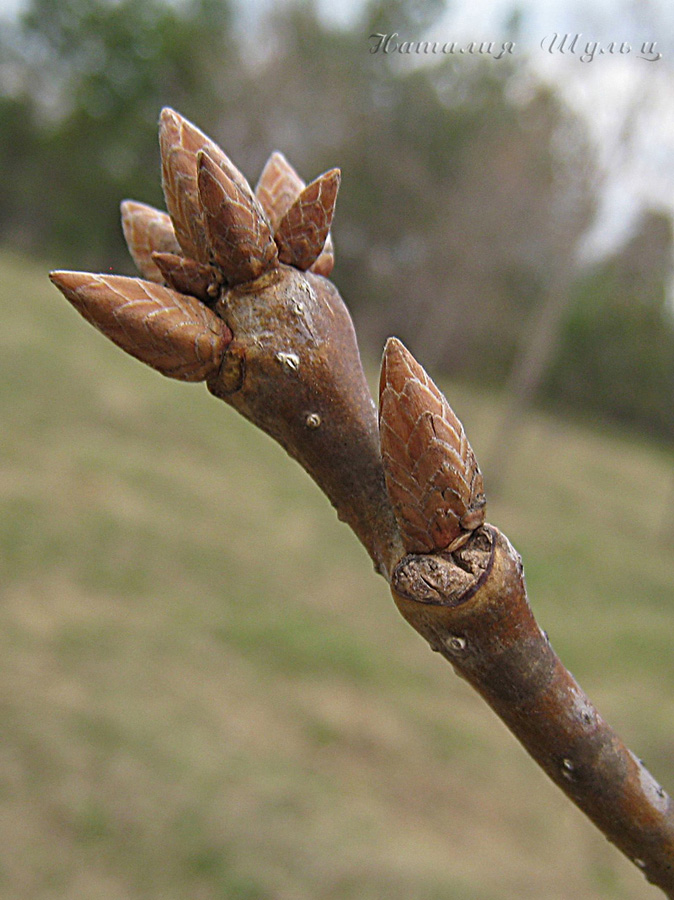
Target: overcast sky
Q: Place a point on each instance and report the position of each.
(611, 91)
(619, 95)
(627, 101)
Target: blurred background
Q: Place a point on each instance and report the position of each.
(206, 692)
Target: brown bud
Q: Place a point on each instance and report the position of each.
(147, 230)
(278, 187)
(179, 142)
(187, 276)
(175, 334)
(303, 230)
(326, 261)
(432, 476)
(239, 235)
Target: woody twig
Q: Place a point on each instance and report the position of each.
(461, 586)
(235, 292)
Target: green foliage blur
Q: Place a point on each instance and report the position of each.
(85, 81)
(467, 184)
(617, 351)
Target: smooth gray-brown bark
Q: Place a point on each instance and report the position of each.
(472, 608)
(276, 342)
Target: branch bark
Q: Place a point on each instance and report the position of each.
(276, 342)
(472, 608)
(465, 594)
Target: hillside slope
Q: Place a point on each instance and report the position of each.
(207, 693)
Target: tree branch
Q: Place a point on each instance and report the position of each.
(465, 594)
(487, 631)
(247, 309)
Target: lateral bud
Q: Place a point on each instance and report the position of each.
(304, 229)
(432, 476)
(147, 230)
(174, 334)
(238, 233)
(278, 187)
(187, 276)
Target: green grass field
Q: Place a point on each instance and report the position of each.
(207, 693)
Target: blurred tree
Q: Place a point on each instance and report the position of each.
(88, 78)
(457, 192)
(616, 357)
(467, 184)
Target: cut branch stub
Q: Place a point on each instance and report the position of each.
(147, 230)
(303, 230)
(176, 335)
(432, 476)
(239, 236)
(472, 608)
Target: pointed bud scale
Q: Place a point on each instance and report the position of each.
(239, 235)
(191, 140)
(177, 142)
(278, 188)
(175, 334)
(304, 228)
(326, 261)
(221, 159)
(187, 276)
(432, 476)
(180, 142)
(147, 230)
